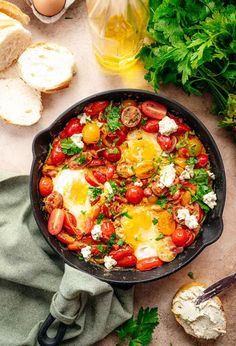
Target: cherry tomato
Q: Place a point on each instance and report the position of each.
(55, 221)
(166, 249)
(45, 186)
(191, 238)
(105, 210)
(148, 263)
(173, 146)
(154, 110)
(180, 236)
(96, 162)
(57, 156)
(131, 116)
(91, 133)
(95, 108)
(151, 126)
(100, 177)
(72, 127)
(127, 103)
(65, 238)
(134, 194)
(127, 262)
(110, 171)
(112, 154)
(183, 152)
(70, 223)
(194, 146)
(165, 142)
(91, 181)
(121, 253)
(197, 210)
(147, 192)
(183, 128)
(107, 230)
(202, 160)
(63, 134)
(121, 135)
(89, 223)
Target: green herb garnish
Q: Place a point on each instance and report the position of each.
(173, 189)
(111, 240)
(154, 221)
(191, 161)
(161, 201)
(99, 218)
(190, 275)
(80, 160)
(120, 242)
(69, 147)
(49, 151)
(160, 236)
(113, 118)
(134, 178)
(95, 192)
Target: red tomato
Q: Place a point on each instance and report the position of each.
(202, 160)
(121, 253)
(147, 192)
(127, 262)
(112, 154)
(154, 110)
(105, 210)
(183, 152)
(107, 230)
(183, 128)
(180, 236)
(96, 163)
(148, 263)
(152, 126)
(129, 102)
(121, 135)
(131, 116)
(165, 142)
(110, 171)
(55, 221)
(45, 186)
(73, 127)
(89, 222)
(63, 134)
(191, 238)
(197, 210)
(70, 223)
(95, 108)
(134, 194)
(57, 156)
(100, 177)
(91, 181)
(65, 238)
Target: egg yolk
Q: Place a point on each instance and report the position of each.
(76, 192)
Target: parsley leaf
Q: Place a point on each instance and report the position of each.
(191, 161)
(113, 118)
(134, 178)
(161, 201)
(95, 192)
(160, 236)
(80, 160)
(100, 217)
(173, 189)
(69, 147)
(49, 151)
(190, 275)
(120, 242)
(111, 240)
(154, 221)
(200, 176)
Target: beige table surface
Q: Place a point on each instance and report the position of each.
(216, 261)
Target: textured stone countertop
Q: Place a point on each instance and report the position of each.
(216, 261)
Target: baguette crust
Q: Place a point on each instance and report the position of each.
(14, 11)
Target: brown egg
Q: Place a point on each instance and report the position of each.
(49, 8)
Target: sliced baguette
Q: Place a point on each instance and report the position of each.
(47, 67)
(14, 39)
(14, 11)
(19, 103)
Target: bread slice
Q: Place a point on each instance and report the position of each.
(14, 11)
(47, 67)
(19, 103)
(205, 321)
(14, 39)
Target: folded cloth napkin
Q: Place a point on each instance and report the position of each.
(33, 279)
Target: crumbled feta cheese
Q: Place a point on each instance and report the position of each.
(77, 139)
(84, 119)
(211, 175)
(191, 221)
(187, 173)
(167, 126)
(182, 214)
(86, 252)
(145, 251)
(107, 188)
(138, 183)
(109, 262)
(210, 199)
(167, 175)
(96, 232)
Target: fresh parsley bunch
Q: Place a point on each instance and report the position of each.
(194, 46)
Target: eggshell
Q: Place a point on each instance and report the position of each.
(49, 8)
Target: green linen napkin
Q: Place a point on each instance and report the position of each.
(34, 280)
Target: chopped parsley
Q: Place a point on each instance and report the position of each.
(68, 147)
(160, 236)
(143, 122)
(111, 240)
(126, 214)
(49, 151)
(154, 221)
(162, 201)
(83, 212)
(95, 192)
(65, 167)
(134, 178)
(80, 160)
(191, 161)
(190, 275)
(173, 189)
(99, 218)
(120, 242)
(122, 191)
(113, 151)
(113, 118)
(100, 248)
(200, 177)
(183, 142)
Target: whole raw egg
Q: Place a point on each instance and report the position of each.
(49, 8)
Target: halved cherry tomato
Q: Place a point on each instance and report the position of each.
(166, 249)
(180, 236)
(121, 253)
(100, 177)
(166, 223)
(127, 262)
(165, 142)
(129, 102)
(175, 196)
(154, 110)
(197, 211)
(183, 128)
(55, 221)
(89, 222)
(91, 181)
(72, 127)
(45, 186)
(96, 251)
(95, 108)
(148, 263)
(105, 210)
(195, 146)
(96, 163)
(147, 192)
(110, 171)
(134, 194)
(191, 238)
(70, 223)
(112, 154)
(96, 211)
(174, 142)
(202, 160)
(63, 134)
(121, 136)
(131, 116)
(65, 238)
(91, 133)
(57, 156)
(107, 230)
(183, 152)
(151, 126)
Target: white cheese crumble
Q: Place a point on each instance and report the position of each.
(187, 173)
(144, 251)
(138, 183)
(167, 126)
(109, 262)
(96, 232)
(167, 176)
(190, 220)
(210, 199)
(84, 119)
(86, 252)
(107, 188)
(205, 320)
(211, 175)
(77, 139)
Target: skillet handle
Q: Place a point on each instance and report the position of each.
(44, 340)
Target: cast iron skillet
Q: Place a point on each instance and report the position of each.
(211, 229)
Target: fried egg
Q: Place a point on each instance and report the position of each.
(71, 184)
